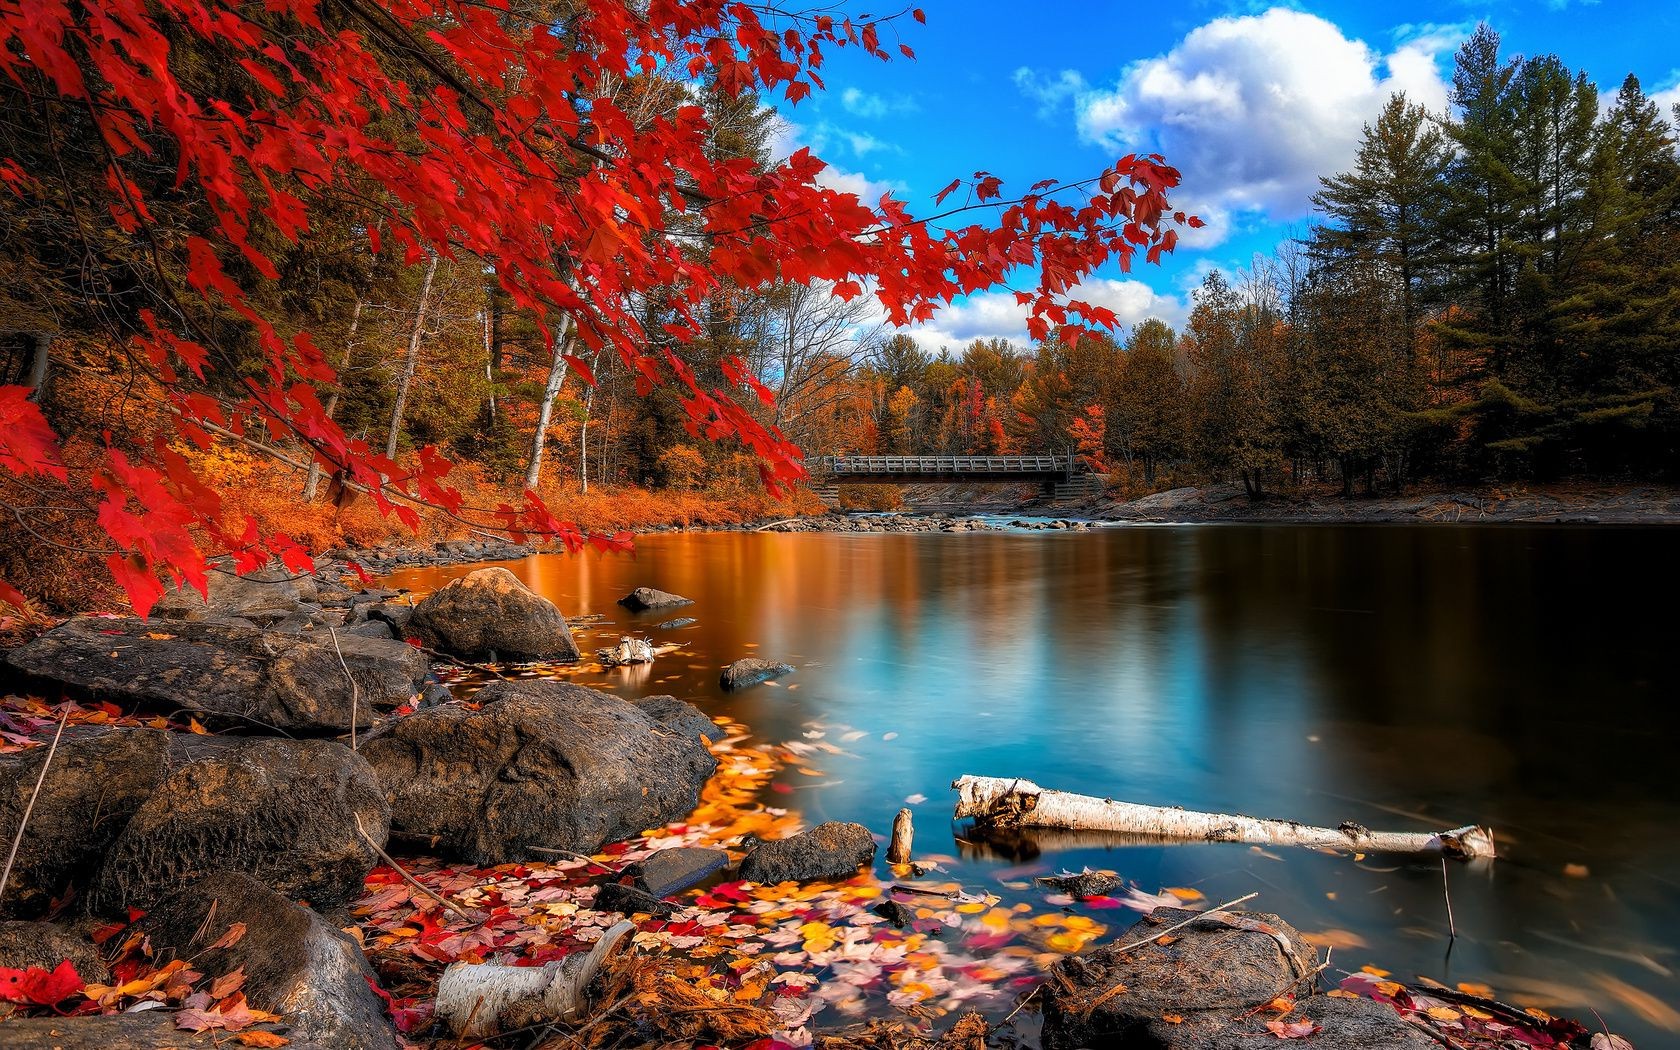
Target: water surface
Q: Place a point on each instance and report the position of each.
(1408, 678)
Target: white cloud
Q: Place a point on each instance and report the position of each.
(1666, 97)
(1049, 91)
(1253, 109)
(996, 315)
(861, 103)
(787, 137)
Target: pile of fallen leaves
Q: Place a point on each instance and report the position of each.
(1468, 1015)
(138, 983)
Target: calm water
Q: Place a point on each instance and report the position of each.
(1404, 678)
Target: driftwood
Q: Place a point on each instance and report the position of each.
(633, 651)
(1010, 803)
(482, 999)
(903, 835)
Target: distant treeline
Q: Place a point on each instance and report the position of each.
(1491, 292)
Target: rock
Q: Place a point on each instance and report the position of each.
(682, 717)
(489, 612)
(371, 629)
(834, 850)
(895, 912)
(751, 671)
(644, 598)
(1346, 1024)
(228, 676)
(395, 615)
(271, 593)
(42, 944)
(630, 900)
(679, 622)
(1216, 969)
(1085, 884)
(674, 870)
(544, 763)
(128, 815)
(296, 964)
(285, 811)
(108, 772)
(150, 1030)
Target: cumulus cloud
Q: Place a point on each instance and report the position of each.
(1253, 109)
(1666, 97)
(996, 315)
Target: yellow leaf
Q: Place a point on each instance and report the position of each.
(1472, 988)
(192, 724)
(1343, 993)
(1184, 893)
(1173, 1018)
(1373, 971)
(1444, 1013)
(266, 1039)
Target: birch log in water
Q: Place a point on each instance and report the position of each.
(1013, 803)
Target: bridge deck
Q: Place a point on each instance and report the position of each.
(904, 469)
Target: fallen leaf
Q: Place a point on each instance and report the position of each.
(230, 938)
(1292, 1029)
(1173, 1018)
(263, 1039)
(1606, 1041)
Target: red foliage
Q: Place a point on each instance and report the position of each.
(523, 159)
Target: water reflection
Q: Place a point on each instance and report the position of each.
(1400, 677)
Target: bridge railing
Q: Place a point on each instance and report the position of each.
(833, 466)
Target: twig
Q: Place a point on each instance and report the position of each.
(458, 662)
(1270, 999)
(1025, 999)
(1158, 934)
(1452, 927)
(17, 840)
(355, 690)
(575, 856)
(412, 881)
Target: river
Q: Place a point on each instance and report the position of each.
(1406, 678)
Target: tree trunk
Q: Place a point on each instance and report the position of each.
(557, 370)
(1006, 802)
(313, 481)
(39, 362)
(583, 435)
(411, 361)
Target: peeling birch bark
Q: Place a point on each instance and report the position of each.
(482, 999)
(1004, 802)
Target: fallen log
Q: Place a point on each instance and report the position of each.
(482, 999)
(1004, 802)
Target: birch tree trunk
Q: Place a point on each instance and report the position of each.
(411, 360)
(583, 434)
(557, 370)
(1011, 803)
(39, 362)
(313, 481)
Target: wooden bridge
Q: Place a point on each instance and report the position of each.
(1063, 477)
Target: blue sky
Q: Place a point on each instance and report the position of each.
(1252, 102)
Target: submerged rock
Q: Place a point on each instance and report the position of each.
(296, 964)
(674, 870)
(126, 816)
(227, 675)
(679, 622)
(631, 900)
(644, 598)
(543, 763)
(490, 612)
(751, 671)
(833, 850)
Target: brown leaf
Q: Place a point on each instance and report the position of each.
(227, 984)
(1292, 1029)
(230, 938)
(259, 1038)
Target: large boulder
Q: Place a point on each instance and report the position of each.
(270, 594)
(1210, 976)
(541, 764)
(44, 945)
(229, 676)
(490, 613)
(644, 598)
(292, 813)
(751, 671)
(126, 816)
(296, 964)
(833, 850)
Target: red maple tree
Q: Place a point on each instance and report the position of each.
(517, 154)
